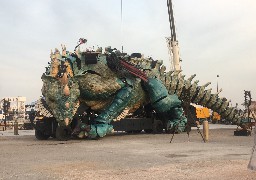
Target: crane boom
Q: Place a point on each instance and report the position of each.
(172, 41)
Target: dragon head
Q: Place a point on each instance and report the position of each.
(60, 90)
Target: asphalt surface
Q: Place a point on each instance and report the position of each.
(122, 156)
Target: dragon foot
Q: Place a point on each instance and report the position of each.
(100, 130)
(178, 120)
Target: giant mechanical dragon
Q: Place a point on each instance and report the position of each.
(113, 85)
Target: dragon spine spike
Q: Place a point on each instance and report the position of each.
(56, 51)
(171, 72)
(64, 53)
(199, 95)
(177, 72)
(51, 54)
(191, 77)
(160, 62)
(206, 97)
(207, 84)
(219, 91)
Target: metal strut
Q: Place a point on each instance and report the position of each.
(173, 44)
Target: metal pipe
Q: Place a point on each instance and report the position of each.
(206, 130)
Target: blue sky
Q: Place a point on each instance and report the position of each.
(215, 37)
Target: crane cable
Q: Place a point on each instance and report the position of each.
(121, 10)
(122, 25)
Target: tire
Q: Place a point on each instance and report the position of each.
(40, 135)
(136, 131)
(133, 131)
(63, 133)
(158, 127)
(149, 131)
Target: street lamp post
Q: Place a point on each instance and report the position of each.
(15, 127)
(5, 112)
(217, 83)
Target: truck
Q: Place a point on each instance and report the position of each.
(198, 113)
(215, 118)
(202, 113)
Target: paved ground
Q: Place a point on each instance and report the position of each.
(123, 156)
(10, 132)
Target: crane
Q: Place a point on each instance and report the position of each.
(172, 42)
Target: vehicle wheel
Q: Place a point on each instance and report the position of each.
(158, 127)
(149, 131)
(63, 133)
(40, 135)
(168, 131)
(214, 121)
(136, 131)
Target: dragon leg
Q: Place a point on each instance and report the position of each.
(102, 123)
(168, 106)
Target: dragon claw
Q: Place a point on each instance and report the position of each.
(100, 130)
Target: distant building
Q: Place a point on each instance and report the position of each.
(17, 107)
(2, 116)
